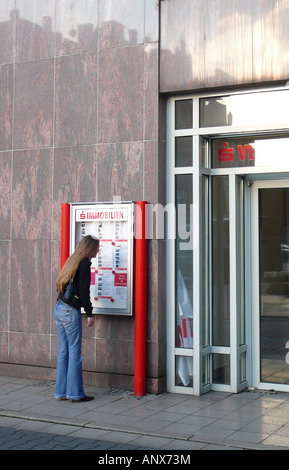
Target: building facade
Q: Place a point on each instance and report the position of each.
(182, 103)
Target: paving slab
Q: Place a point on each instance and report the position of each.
(116, 419)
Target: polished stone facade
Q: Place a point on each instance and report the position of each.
(79, 104)
(209, 44)
(83, 119)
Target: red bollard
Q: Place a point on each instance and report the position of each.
(140, 301)
(65, 233)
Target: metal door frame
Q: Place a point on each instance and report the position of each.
(197, 170)
(254, 350)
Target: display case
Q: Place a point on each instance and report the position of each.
(112, 270)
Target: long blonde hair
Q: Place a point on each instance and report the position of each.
(86, 248)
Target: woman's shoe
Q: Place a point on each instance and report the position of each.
(85, 398)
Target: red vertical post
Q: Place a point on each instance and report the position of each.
(65, 233)
(140, 300)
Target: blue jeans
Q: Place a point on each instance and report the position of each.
(69, 361)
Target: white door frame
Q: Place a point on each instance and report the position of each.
(254, 360)
(201, 167)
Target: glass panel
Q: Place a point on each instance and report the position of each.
(243, 367)
(184, 261)
(204, 153)
(250, 152)
(214, 112)
(184, 371)
(240, 260)
(274, 286)
(220, 263)
(206, 370)
(221, 369)
(184, 151)
(205, 299)
(184, 114)
(237, 110)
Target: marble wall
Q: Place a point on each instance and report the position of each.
(80, 112)
(209, 44)
(82, 119)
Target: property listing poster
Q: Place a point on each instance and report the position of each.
(111, 269)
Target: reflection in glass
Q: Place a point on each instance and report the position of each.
(220, 262)
(206, 376)
(184, 151)
(250, 152)
(245, 109)
(274, 286)
(221, 369)
(242, 365)
(205, 292)
(184, 371)
(214, 112)
(240, 258)
(184, 114)
(204, 153)
(184, 264)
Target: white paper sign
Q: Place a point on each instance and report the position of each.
(111, 270)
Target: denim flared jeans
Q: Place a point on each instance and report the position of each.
(69, 382)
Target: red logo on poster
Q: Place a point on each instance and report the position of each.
(82, 215)
(120, 279)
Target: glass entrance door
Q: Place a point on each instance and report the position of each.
(270, 220)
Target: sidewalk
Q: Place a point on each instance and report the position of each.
(31, 418)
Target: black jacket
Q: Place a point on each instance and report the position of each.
(82, 281)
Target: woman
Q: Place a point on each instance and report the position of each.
(69, 384)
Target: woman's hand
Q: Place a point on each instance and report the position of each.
(90, 321)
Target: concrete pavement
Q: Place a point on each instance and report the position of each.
(30, 418)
